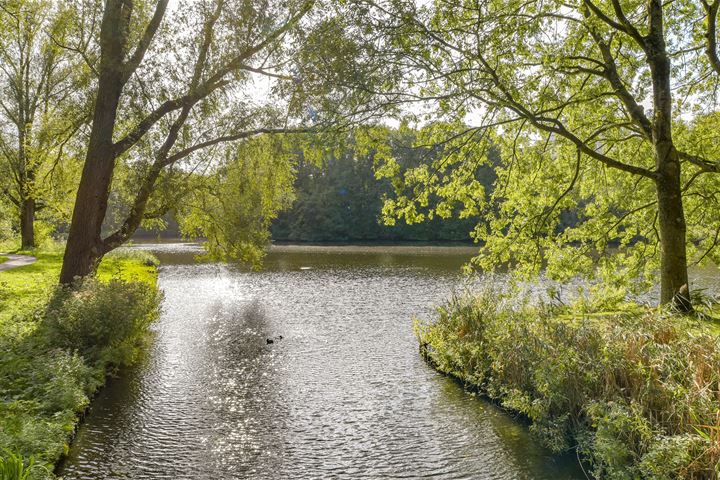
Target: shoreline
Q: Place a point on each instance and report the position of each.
(580, 380)
(476, 390)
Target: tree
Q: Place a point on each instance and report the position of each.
(212, 72)
(234, 206)
(175, 85)
(41, 108)
(599, 106)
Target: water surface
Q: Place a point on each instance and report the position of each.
(344, 393)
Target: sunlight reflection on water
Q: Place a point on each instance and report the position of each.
(344, 393)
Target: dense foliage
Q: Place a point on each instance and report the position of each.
(43, 100)
(634, 392)
(232, 208)
(105, 322)
(601, 106)
(58, 346)
(14, 467)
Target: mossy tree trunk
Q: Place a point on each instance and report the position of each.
(674, 285)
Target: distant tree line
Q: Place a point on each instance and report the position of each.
(339, 198)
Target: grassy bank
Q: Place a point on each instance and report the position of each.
(59, 345)
(637, 393)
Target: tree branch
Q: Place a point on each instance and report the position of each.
(704, 164)
(711, 49)
(11, 197)
(153, 117)
(134, 61)
(262, 71)
(630, 29)
(231, 138)
(77, 50)
(553, 125)
(623, 26)
(206, 88)
(238, 62)
(636, 111)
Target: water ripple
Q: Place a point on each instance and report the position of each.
(343, 395)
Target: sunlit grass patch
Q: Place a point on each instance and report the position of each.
(24, 288)
(130, 265)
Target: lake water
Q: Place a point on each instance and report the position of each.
(344, 394)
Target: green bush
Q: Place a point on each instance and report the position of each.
(105, 322)
(6, 221)
(57, 346)
(14, 467)
(636, 392)
(47, 376)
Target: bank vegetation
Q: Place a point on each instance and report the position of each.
(634, 392)
(60, 344)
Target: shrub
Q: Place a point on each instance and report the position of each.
(6, 222)
(105, 322)
(14, 467)
(636, 392)
(57, 346)
(44, 235)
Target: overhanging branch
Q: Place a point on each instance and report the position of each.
(134, 62)
(230, 138)
(704, 164)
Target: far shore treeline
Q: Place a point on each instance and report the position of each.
(339, 199)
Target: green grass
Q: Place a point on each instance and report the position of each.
(23, 288)
(3, 259)
(44, 383)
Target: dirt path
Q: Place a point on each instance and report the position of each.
(15, 261)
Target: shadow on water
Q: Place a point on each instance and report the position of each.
(344, 394)
(511, 432)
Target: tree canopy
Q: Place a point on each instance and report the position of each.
(605, 108)
(42, 111)
(176, 84)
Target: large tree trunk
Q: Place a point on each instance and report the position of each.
(27, 223)
(674, 285)
(85, 247)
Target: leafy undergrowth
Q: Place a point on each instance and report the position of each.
(3, 259)
(636, 392)
(59, 344)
